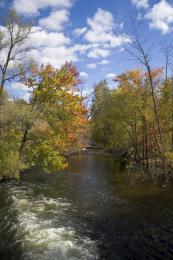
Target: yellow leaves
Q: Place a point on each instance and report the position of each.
(34, 69)
(136, 76)
(135, 84)
(50, 81)
(132, 76)
(57, 115)
(137, 79)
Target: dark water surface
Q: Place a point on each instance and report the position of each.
(89, 211)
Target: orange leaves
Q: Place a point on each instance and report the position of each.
(155, 73)
(137, 77)
(137, 83)
(49, 80)
(73, 72)
(55, 104)
(132, 76)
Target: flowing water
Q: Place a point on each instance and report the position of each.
(89, 211)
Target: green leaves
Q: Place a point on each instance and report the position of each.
(124, 117)
(45, 157)
(42, 131)
(10, 163)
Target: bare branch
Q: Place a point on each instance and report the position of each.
(12, 42)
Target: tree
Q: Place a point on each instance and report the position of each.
(13, 35)
(100, 104)
(142, 54)
(167, 52)
(42, 131)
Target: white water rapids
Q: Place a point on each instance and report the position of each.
(45, 231)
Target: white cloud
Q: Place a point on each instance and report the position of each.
(56, 20)
(56, 56)
(49, 44)
(82, 48)
(20, 90)
(161, 16)
(43, 38)
(140, 3)
(92, 65)
(101, 30)
(84, 92)
(54, 47)
(79, 31)
(104, 62)
(97, 53)
(26, 97)
(87, 92)
(19, 86)
(102, 21)
(51, 47)
(32, 7)
(83, 74)
(110, 75)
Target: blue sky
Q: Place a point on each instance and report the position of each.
(92, 33)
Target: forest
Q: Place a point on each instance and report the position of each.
(131, 118)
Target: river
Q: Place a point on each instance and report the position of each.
(88, 211)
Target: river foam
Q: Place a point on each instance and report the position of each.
(45, 230)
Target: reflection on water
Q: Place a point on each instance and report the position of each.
(88, 211)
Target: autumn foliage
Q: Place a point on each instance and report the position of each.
(48, 126)
(125, 118)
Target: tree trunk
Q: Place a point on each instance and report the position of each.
(146, 144)
(24, 139)
(4, 71)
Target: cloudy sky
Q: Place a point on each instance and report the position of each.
(92, 33)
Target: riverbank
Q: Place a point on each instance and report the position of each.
(137, 172)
